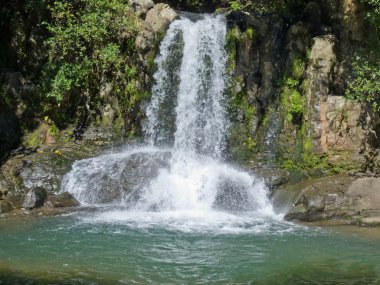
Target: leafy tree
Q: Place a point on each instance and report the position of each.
(288, 8)
(91, 44)
(365, 85)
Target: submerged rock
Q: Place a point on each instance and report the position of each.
(233, 196)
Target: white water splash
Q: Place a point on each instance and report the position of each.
(187, 114)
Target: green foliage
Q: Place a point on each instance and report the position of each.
(92, 42)
(365, 87)
(296, 150)
(235, 5)
(298, 68)
(296, 102)
(293, 103)
(233, 37)
(292, 100)
(6, 100)
(365, 84)
(243, 113)
(283, 7)
(372, 12)
(249, 33)
(240, 101)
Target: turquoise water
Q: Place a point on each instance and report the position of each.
(119, 247)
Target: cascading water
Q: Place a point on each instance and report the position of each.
(182, 170)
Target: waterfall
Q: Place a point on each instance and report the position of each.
(183, 168)
(199, 83)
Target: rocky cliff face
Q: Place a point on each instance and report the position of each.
(289, 79)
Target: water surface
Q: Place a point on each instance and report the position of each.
(121, 247)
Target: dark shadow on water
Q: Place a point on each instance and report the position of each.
(327, 272)
(13, 278)
(330, 273)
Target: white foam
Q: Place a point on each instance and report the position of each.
(189, 221)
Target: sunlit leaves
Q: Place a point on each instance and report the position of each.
(90, 42)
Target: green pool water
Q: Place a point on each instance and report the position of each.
(119, 247)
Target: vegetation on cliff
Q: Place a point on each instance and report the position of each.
(91, 45)
(365, 86)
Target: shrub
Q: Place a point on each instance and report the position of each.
(365, 87)
(91, 42)
(365, 84)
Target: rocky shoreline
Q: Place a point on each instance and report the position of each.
(30, 179)
(339, 199)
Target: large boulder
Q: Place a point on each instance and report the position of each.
(114, 178)
(160, 17)
(141, 6)
(338, 198)
(43, 168)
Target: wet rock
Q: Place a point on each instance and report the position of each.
(35, 198)
(160, 17)
(145, 39)
(139, 171)
(141, 7)
(298, 39)
(354, 200)
(62, 200)
(232, 197)
(5, 206)
(111, 179)
(39, 169)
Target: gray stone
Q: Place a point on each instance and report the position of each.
(160, 17)
(141, 6)
(365, 193)
(35, 198)
(145, 38)
(355, 200)
(62, 200)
